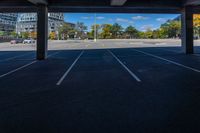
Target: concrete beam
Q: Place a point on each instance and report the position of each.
(71, 9)
(37, 2)
(187, 31)
(117, 2)
(42, 32)
(192, 2)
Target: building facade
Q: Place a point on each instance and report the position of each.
(8, 21)
(27, 22)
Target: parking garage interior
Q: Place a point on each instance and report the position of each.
(137, 85)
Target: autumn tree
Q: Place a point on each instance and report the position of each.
(33, 34)
(52, 36)
(197, 25)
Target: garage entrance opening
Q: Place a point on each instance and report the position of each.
(77, 31)
(18, 37)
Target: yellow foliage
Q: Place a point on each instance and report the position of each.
(196, 20)
(33, 34)
(52, 35)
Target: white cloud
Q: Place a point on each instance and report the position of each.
(124, 20)
(100, 17)
(85, 17)
(139, 18)
(161, 19)
(147, 27)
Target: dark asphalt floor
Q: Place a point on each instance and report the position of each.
(98, 94)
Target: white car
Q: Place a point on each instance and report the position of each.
(29, 41)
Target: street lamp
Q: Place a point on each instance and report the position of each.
(95, 28)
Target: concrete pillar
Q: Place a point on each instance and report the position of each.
(187, 31)
(42, 32)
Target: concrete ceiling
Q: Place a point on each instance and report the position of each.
(101, 5)
(117, 2)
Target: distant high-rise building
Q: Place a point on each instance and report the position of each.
(8, 21)
(27, 22)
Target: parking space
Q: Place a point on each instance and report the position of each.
(134, 89)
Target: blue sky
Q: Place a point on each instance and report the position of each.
(140, 21)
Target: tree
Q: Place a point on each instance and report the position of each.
(171, 29)
(149, 34)
(197, 25)
(2, 33)
(106, 31)
(65, 30)
(98, 28)
(13, 34)
(132, 32)
(81, 30)
(52, 36)
(33, 34)
(25, 35)
(116, 30)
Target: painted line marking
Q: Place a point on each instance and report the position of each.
(175, 63)
(125, 67)
(15, 57)
(8, 73)
(69, 69)
(24, 66)
(53, 54)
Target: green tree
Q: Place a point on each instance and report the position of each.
(171, 29)
(2, 33)
(98, 28)
(106, 31)
(25, 35)
(132, 32)
(149, 34)
(13, 34)
(65, 30)
(116, 30)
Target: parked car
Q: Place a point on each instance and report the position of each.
(29, 41)
(15, 41)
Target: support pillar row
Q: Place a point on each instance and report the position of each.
(187, 31)
(42, 32)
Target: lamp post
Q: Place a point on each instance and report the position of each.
(95, 28)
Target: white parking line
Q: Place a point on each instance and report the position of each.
(15, 57)
(8, 73)
(53, 54)
(69, 69)
(175, 63)
(17, 69)
(129, 71)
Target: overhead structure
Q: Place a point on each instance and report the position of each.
(185, 7)
(38, 2)
(106, 6)
(117, 2)
(192, 2)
